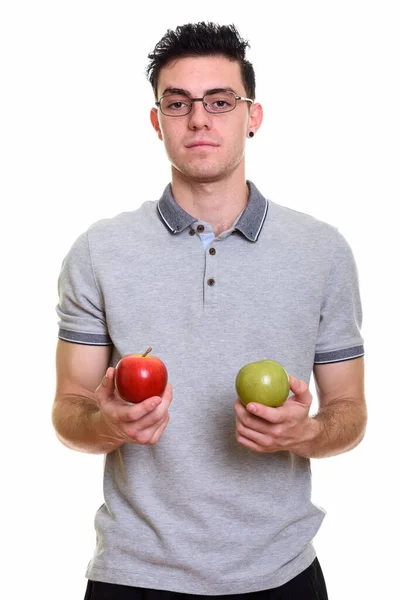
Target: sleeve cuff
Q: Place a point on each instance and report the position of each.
(322, 358)
(90, 339)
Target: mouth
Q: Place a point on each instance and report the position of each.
(201, 143)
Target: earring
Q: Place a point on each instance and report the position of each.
(251, 133)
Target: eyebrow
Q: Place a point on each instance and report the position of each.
(172, 90)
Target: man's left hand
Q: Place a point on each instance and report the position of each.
(272, 429)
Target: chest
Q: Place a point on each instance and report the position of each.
(214, 304)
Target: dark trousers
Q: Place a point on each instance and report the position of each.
(308, 585)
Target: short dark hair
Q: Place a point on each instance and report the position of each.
(202, 39)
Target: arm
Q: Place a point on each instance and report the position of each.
(338, 426)
(75, 415)
(88, 416)
(342, 415)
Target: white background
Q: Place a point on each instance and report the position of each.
(77, 145)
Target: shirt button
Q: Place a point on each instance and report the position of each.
(212, 251)
(211, 282)
(200, 228)
(192, 232)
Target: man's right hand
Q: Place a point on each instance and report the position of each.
(142, 423)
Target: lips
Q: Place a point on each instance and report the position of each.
(201, 143)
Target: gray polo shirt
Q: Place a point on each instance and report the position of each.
(198, 513)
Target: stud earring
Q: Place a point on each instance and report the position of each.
(251, 133)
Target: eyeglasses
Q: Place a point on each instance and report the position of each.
(178, 105)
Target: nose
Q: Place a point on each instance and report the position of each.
(199, 117)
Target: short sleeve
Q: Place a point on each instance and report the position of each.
(80, 307)
(339, 334)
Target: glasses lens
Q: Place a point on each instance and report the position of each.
(220, 102)
(175, 105)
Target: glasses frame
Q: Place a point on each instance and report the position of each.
(205, 104)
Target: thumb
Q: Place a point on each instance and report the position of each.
(300, 390)
(106, 386)
(168, 393)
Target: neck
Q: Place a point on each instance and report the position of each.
(217, 202)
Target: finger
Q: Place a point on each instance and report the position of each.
(144, 435)
(253, 445)
(143, 408)
(272, 414)
(259, 432)
(297, 385)
(153, 419)
(239, 408)
(267, 413)
(160, 430)
(251, 427)
(134, 413)
(278, 414)
(300, 390)
(246, 419)
(106, 386)
(149, 411)
(167, 394)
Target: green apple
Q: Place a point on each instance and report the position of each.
(264, 381)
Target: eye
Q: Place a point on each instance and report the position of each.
(178, 104)
(220, 102)
(175, 103)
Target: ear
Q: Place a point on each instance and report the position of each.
(255, 117)
(155, 122)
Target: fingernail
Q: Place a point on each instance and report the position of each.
(253, 408)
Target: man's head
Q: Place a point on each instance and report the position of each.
(202, 39)
(188, 63)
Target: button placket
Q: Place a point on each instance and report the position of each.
(210, 276)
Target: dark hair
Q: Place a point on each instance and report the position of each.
(202, 39)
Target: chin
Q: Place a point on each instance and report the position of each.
(202, 173)
(205, 177)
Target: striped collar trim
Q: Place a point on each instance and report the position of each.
(250, 223)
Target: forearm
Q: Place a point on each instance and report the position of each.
(79, 425)
(335, 429)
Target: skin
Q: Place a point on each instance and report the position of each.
(210, 184)
(89, 416)
(338, 426)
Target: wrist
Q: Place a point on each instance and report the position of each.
(311, 433)
(108, 437)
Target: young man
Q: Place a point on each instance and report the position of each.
(214, 499)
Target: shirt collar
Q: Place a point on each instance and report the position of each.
(250, 222)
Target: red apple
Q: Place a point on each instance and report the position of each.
(140, 376)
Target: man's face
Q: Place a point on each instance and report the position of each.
(227, 130)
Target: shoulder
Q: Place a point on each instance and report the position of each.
(114, 233)
(123, 224)
(293, 219)
(302, 228)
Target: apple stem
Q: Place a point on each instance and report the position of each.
(147, 351)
